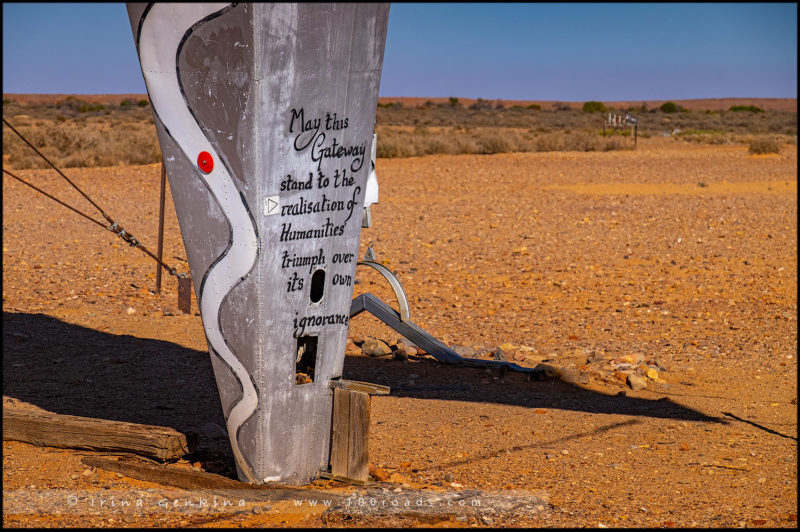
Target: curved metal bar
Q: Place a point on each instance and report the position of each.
(400, 294)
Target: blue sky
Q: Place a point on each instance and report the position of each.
(568, 52)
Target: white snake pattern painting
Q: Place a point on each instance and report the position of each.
(163, 29)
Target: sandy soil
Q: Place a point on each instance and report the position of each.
(679, 255)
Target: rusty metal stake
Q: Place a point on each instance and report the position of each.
(185, 294)
(161, 227)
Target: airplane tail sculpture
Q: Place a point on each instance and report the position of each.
(265, 115)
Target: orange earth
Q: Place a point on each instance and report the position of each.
(675, 260)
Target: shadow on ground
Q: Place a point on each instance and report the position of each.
(74, 370)
(69, 369)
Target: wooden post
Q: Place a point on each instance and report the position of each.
(161, 226)
(350, 434)
(185, 294)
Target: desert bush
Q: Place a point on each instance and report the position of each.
(764, 145)
(593, 107)
(669, 107)
(491, 142)
(143, 103)
(748, 108)
(452, 101)
(535, 107)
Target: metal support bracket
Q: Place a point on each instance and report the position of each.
(422, 338)
(400, 294)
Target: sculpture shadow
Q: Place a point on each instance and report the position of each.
(74, 370)
(425, 378)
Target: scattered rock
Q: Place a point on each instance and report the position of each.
(636, 382)
(399, 354)
(380, 474)
(464, 351)
(448, 477)
(548, 370)
(410, 350)
(131, 310)
(652, 374)
(500, 355)
(375, 348)
(86, 472)
(574, 376)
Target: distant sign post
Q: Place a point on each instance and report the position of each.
(615, 122)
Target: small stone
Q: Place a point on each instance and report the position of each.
(487, 520)
(86, 472)
(461, 519)
(549, 370)
(197, 465)
(131, 310)
(74, 477)
(636, 382)
(464, 351)
(399, 354)
(564, 451)
(500, 355)
(375, 348)
(380, 474)
(448, 477)
(652, 374)
(256, 510)
(455, 485)
(574, 376)
(167, 312)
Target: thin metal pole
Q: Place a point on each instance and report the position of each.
(161, 226)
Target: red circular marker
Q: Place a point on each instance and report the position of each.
(205, 162)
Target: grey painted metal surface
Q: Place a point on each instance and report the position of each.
(265, 114)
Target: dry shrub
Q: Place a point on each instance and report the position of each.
(75, 144)
(764, 145)
(403, 142)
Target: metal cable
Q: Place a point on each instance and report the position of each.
(40, 154)
(37, 189)
(114, 227)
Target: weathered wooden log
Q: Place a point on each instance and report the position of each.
(201, 480)
(43, 428)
